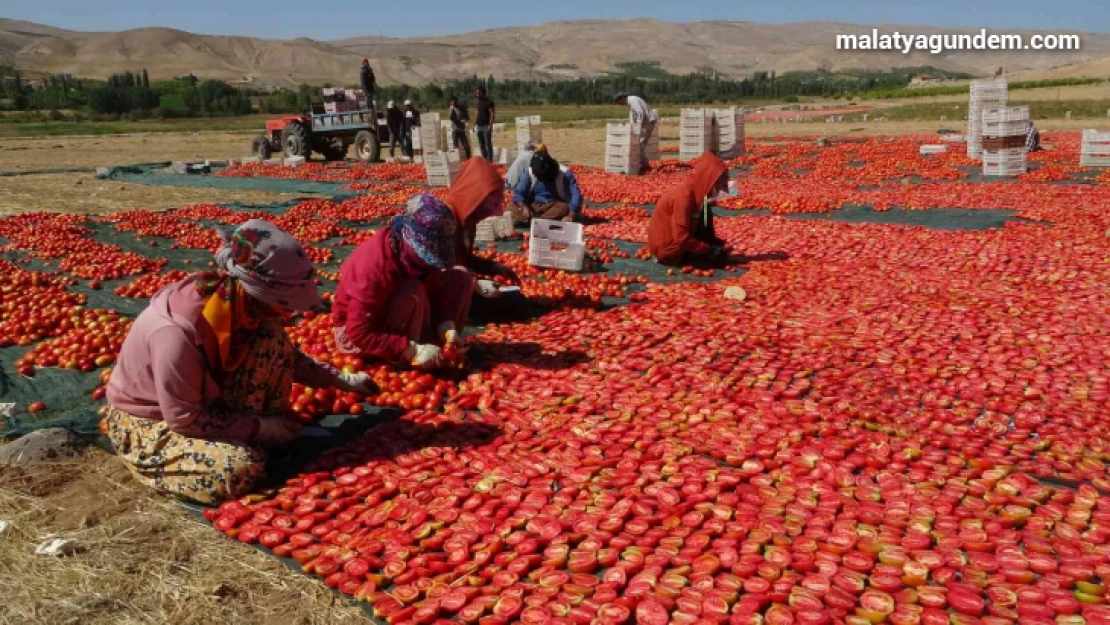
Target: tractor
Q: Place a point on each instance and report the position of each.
(327, 134)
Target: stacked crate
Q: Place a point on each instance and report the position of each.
(431, 133)
(730, 131)
(342, 100)
(622, 149)
(985, 94)
(528, 130)
(1095, 151)
(441, 167)
(697, 133)
(1002, 140)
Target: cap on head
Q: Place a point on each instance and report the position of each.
(390, 104)
(620, 96)
(408, 102)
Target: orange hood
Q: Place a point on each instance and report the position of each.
(476, 180)
(708, 169)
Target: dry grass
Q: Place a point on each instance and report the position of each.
(83, 193)
(145, 560)
(36, 154)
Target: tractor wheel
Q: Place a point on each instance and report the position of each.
(260, 147)
(294, 140)
(367, 149)
(335, 150)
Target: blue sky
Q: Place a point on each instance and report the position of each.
(330, 20)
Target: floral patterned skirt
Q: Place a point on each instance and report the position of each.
(211, 471)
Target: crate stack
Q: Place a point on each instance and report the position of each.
(730, 131)
(697, 133)
(495, 229)
(1002, 140)
(431, 133)
(441, 167)
(528, 130)
(622, 149)
(342, 100)
(1095, 150)
(985, 94)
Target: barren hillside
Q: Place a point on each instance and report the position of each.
(558, 49)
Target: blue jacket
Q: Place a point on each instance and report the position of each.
(563, 189)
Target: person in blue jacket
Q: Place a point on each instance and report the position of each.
(549, 191)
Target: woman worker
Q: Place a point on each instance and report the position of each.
(202, 385)
(681, 227)
(400, 297)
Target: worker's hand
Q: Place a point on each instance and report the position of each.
(427, 356)
(360, 383)
(276, 431)
(571, 217)
(504, 271)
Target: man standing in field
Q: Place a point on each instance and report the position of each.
(487, 115)
(412, 124)
(395, 120)
(640, 115)
(459, 118)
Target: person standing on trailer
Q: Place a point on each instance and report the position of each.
(369, 83)
(395, 121)
(640, 115)
(483, 123)
(460, 116)
(412, 122)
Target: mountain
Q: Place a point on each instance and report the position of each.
(545, 51)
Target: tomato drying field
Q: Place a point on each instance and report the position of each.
(902, 424)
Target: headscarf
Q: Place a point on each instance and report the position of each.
(427, 228)
(708, 169)
(258, 261)
(476, 181)
(544, 167)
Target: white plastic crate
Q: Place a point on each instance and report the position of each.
(1003, 114)
(556, 245)
(730, 131)
(1005, 162)
(618, 130)
(1095, 149)
(495, 229)
(653, 151)
(933, 149)
(441, 168)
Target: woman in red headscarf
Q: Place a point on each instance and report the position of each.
(681, 228)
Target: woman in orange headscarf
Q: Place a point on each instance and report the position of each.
(681, 228)
(477, 194)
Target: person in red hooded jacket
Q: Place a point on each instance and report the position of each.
(681, 228)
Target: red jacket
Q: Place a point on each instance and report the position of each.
(369, 278)
(676, 214)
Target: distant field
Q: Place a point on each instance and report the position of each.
(1038, 109)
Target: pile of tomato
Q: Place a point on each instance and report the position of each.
(146, 286)
(895, 424)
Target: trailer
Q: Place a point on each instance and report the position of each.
(330, 135)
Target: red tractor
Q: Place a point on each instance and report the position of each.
(327, 134)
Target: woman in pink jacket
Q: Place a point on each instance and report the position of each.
(400, 297)
(201, 389)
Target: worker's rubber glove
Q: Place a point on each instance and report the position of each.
(276, 431)
(425, 356)
(447, 332)
(504, 271)
(360, 383)
(488, 289)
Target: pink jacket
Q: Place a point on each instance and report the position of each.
(368, 279)
(168, 369)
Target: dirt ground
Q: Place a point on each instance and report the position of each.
(144, 559)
